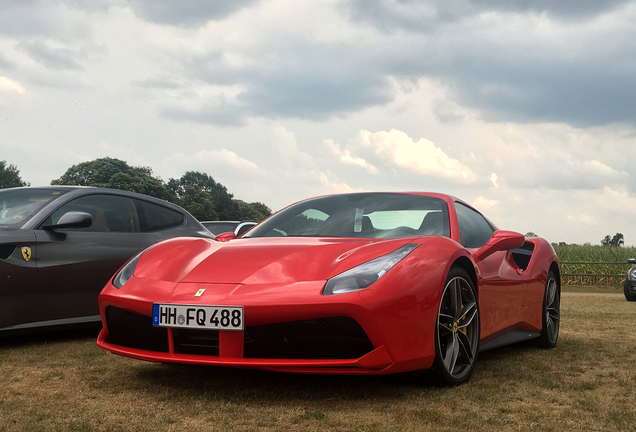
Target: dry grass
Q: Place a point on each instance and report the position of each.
(64, 382)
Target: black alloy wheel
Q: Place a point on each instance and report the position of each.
(457, 332)
(551, 313)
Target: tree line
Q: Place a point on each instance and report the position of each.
(195, 191)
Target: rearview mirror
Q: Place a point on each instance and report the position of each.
(72, 219)
(500, 240)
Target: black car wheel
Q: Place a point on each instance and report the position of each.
(457, 332)
(551, 313)
(629, 290)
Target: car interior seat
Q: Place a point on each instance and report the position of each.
(432, 225)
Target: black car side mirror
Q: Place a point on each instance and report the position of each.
(72, 219)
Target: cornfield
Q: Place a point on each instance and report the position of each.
(593, 265)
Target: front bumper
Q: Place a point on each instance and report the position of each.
(304, 332)
(374, 362)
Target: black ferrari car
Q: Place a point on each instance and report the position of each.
(59, 245)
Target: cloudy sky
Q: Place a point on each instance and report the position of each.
(525, 109)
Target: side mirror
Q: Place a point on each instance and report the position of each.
(225, 237)
(631, 260)
(72, 219)
(500, 240)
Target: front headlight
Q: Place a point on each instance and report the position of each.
(364, 275)
(631, 275)
(126, 272)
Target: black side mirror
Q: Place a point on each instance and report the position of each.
(72, 219)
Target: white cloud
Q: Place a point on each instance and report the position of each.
(582, 219)
(421, 157)
(491, 103)
(484, 204)
(7, 85)
(335, 186)
(493, 178)
(347, 158)
(215, 158)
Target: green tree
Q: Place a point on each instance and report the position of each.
(10, 176)
(198, 203)
(616, 241)
(255, 211)
(115, 174)
(225, 207)
(530, 234)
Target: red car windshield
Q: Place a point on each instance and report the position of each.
(18, 205)
(364, 215)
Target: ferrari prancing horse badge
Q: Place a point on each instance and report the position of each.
(26, 253)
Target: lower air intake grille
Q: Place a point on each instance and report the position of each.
(190, 341)
(325, 338)
(135, 331)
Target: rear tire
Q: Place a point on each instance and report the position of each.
(551, 313)
(457, 329)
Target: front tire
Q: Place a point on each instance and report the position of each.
(457, 330)
(551, 313)
(630, 294)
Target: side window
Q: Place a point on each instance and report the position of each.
(110, 213)
(474, 229)
(154, 217)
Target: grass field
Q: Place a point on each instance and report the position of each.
(65, 383)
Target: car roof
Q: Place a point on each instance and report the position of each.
(73, 192)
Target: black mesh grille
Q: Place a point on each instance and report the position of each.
(135, 331)
(325, 338)
(188, 341)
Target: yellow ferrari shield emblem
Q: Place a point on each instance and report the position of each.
(26, 253)
(200, 292)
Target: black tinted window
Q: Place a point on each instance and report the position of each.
(155, 217)
(474, 229)
(110, 213)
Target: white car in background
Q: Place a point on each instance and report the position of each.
(237, 227)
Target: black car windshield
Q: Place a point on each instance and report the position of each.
(18, 205)
(366, 215)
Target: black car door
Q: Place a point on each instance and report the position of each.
(74, 264)
(17, 277)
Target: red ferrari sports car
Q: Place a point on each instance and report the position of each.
(363, 283)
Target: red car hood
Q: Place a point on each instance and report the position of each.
(258, 260)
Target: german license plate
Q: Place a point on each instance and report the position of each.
(198, 317)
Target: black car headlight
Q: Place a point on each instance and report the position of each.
(631, 274)
(365, 275)
(126, 272)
